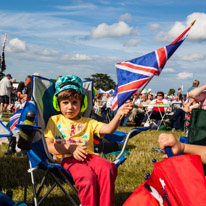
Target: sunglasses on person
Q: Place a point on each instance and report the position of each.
(160, 95)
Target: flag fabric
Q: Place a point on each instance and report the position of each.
(3, 64)
(4, 131)
(132, 74)
(14, 119)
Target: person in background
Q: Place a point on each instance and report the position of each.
(23, 93)
(178, 117)
(151, 97)
(156, 110)
(194, 85)
(136, 101)
(199, 94)
(5, 92)
(179, 94)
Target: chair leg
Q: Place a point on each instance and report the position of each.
(33, 185)
(26, 179)
(65, 192)
(42, 183)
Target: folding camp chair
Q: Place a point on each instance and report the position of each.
(38, 155)
(176, 106)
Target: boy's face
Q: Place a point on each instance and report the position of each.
(70, 108)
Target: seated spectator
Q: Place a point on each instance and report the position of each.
(98, 105)
(23, 92)
(105, 97)
(176, 100)
(150, 97)
(178, 117)
(179, 94)
(199, 94)
(106, 112)
(109, 101)
(155, 111)
(175, 104)
(136, 101)
(139, 111)
(177, 147)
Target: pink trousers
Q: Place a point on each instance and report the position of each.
(94, 179)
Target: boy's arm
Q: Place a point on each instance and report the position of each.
(78, 152)
(57, 148)
(124, 110)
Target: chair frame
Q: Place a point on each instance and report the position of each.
(57, 181)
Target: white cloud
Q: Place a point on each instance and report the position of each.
(154, 26)
(197, 32)
(168, 70)
(115, 30)
(131, 42)
(125, 17)
(16, 45)
(79, 57)
(77, 7)
(185, 75)
(193, 57)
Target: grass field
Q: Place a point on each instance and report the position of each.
(130, 175)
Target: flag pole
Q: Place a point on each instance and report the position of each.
(146, 84)
(193, 23)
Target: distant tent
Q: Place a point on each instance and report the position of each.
(101, 91)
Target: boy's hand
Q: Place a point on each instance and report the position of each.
(125, 109)
(78, 152)
(169, 140)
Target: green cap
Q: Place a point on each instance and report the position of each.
(68, 82)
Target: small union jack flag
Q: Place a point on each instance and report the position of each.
(14, 119)
(132, 74)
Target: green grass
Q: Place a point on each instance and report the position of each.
(130, 175)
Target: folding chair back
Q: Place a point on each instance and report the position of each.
(176, 106)
(42, 94)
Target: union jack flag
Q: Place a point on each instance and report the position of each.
(132, 74)
(14, 119)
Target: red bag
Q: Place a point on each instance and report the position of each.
(178, 181)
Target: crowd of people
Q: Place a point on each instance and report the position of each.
(148, 108)
(13, 98)
(74, 145)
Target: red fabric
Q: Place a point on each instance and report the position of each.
(184, 182)
(162, 109)
(94, 179)
(141, 197)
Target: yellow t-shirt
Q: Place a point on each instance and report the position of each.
(80, 132)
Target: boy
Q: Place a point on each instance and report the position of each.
(70, 137)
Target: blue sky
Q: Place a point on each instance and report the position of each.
(86, 37)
